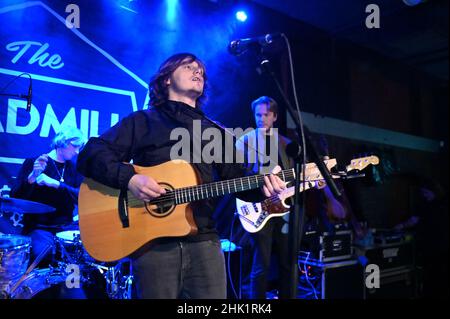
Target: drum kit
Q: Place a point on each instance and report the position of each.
(71, 266)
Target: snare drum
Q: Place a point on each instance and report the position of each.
(69, 236)
(14, 257)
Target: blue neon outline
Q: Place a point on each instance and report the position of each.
(131, 94)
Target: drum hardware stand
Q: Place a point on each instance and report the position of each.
(117, 286)
(30, 268)
(128, 288)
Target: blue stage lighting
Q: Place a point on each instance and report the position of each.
(241, 16)
(171, 14)
(412, 3)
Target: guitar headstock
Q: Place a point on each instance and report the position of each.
(363, 162)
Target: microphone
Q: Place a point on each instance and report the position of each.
(29, 97)
(237, 47)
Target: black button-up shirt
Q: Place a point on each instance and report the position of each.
(144, 137)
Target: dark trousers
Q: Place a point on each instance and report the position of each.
(268, 238)
(181, 270)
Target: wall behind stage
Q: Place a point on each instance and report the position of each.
(93, 76)
(75, 82)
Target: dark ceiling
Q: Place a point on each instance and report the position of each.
(415, 35)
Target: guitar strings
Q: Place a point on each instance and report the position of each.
(183, 192)
(171, 195)
(187, 192)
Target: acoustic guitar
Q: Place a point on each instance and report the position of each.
(114, 224)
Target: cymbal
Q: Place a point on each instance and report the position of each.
(22, 206)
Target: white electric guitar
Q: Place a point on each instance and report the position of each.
(254, 216)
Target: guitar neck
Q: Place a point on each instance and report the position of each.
(216, 189)
(290, 191)
(313, 175)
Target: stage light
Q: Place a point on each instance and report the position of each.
(412, 3)
(241, 16)
(171, 13)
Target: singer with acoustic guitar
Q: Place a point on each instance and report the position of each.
(157, 211)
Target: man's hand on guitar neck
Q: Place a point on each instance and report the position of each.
(273, 184)
(144, 187)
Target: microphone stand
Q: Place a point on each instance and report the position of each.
(295, 223)
(20, 96)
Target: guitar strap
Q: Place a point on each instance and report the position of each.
(285, 161)
(227, 131)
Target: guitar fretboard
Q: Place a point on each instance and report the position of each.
(216, 189)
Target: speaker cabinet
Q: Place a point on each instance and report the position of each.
(332, 280)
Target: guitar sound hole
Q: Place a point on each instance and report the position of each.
(160, 210)
(163, 205)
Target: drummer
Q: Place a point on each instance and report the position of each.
(51, 179)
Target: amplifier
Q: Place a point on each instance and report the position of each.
(396, 261)
(396, 283)
(332, 280)
(328, 246)
(389, 256)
